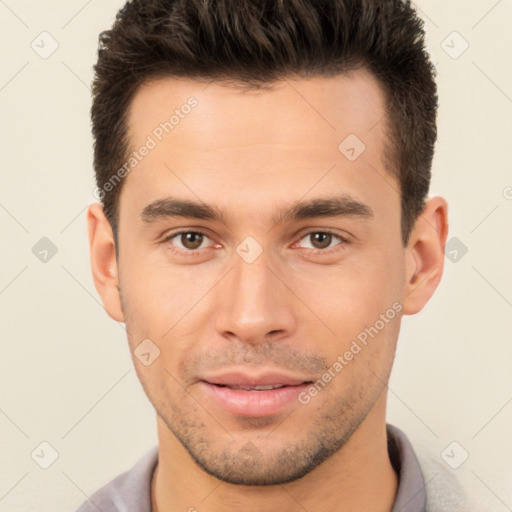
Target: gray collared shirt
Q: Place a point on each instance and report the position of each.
(131, 491)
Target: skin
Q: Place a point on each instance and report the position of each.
(293, 309)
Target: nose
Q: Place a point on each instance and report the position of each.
(253, 304)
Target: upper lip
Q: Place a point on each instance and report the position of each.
(261, 379)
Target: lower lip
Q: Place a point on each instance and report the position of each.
(253, 403)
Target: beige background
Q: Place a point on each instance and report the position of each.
(66, 376)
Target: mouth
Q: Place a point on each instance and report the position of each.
(253, 396)
(252, 388)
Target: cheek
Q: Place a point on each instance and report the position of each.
(163, 302)
(152, 286)
(351, 296)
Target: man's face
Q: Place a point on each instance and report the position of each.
(256, 296)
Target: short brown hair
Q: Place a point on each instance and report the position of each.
(256, 42)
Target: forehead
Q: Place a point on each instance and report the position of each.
(332, 106)
(207, 139)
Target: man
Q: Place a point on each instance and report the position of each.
(263, 168)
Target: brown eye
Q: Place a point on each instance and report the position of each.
(188, 241)
(191, 240)
(320, 240)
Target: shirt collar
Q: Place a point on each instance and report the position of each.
(411, 495)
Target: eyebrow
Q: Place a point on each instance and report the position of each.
(338, 206)
(171, 207)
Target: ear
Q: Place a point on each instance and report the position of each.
(103, 261)
(424, 255)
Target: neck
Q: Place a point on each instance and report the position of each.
(359, 477)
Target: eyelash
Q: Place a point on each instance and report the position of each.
(339, 246)
(196, 252)
(191, 253)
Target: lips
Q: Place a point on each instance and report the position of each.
(244, 381)
(253, 395)
(253, 388)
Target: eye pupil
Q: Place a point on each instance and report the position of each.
(191, 240)
(321, 240)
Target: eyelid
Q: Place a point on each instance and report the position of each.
(343, 239)
(170, 235)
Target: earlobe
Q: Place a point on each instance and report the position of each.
(425, 255)
(103, 261)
